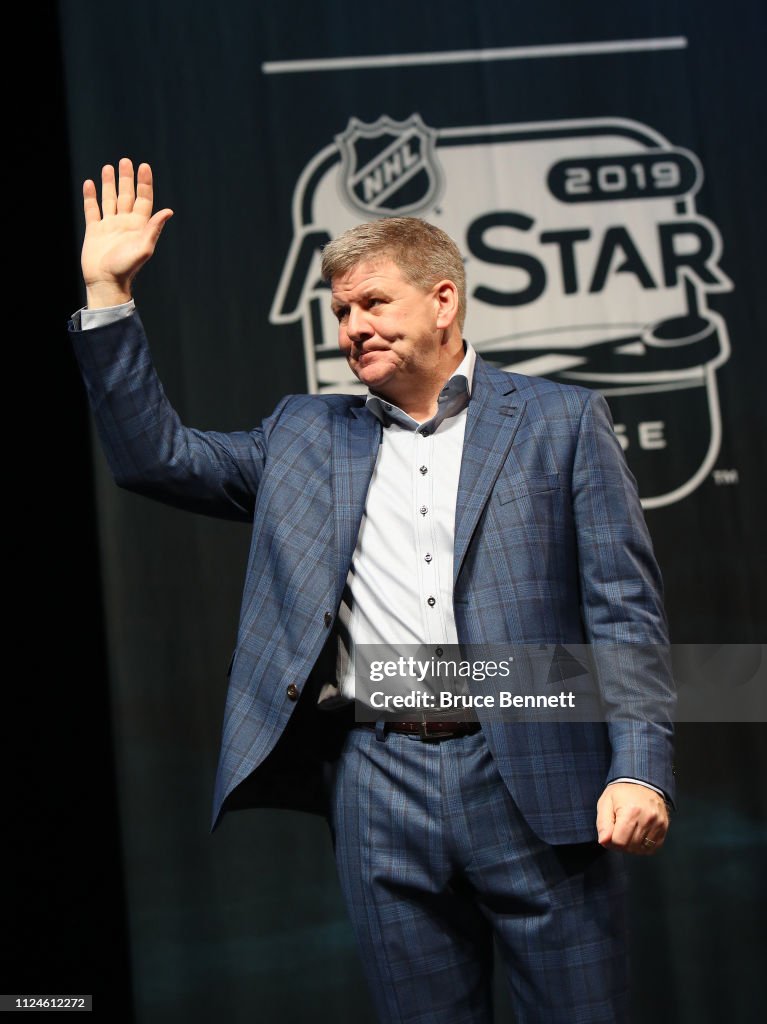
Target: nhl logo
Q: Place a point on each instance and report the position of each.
(389, 167)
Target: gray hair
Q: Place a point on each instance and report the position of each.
(423, 253)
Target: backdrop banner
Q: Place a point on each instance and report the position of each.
(601, 168)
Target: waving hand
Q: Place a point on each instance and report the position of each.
(121, 235)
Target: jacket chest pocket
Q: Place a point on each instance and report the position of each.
(524, 486)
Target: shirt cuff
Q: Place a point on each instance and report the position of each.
(86, 319)
(639, 782)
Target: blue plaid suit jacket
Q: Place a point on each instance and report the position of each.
(550, 547)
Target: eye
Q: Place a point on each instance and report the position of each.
(341, 313)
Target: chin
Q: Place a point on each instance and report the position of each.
(374, 375)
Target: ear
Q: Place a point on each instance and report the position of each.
(446, 300)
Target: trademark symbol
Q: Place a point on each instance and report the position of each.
(725, 477)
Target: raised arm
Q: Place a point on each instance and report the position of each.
(148, 449)
(121, 235)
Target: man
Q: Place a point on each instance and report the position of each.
(456, 504)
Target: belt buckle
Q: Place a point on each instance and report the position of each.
(431, 737)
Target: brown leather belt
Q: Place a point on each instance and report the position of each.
(429, 732)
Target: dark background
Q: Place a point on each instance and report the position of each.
(247, 924)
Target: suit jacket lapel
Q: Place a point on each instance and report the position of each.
(494, 413)
(355, 437)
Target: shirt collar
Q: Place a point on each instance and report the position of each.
(453, 398)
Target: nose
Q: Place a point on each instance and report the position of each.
(357, 326)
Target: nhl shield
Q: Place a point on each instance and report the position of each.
(388, 167)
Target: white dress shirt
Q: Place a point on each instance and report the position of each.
(399, 589)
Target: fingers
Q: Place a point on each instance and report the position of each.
(120, 196)
(156, 224)
(108, 191)
(144, 191)
(641, 835)
(649, 843)
(90, 202)
(632, 818)
(127, 195)
(605, 818)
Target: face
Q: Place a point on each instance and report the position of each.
(391, 332)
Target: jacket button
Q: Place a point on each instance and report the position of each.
(292, 692)
(328, 620)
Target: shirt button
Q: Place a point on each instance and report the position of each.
(423, 470)
(327, 619)
(292, 692)
(425, 433)
(423, 510)
(427, 557)
(431, 601)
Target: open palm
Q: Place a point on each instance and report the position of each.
(121, 235)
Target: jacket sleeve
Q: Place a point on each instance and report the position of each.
(148, 449)
(622, 604)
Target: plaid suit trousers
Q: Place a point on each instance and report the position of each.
(436, 861)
